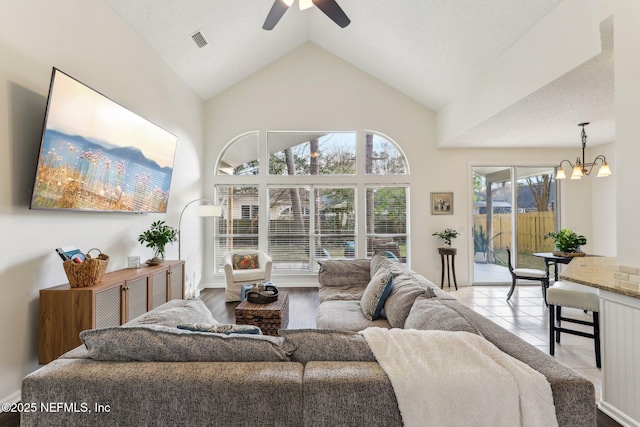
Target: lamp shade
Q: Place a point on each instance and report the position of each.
(209, 211)
(577, 172)
(604, 170)
(560, 174)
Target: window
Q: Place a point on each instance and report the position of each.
(240, 157)
(383, 157)
(238, 228)
(249, 211)
(315, 201)
(318, 223)
(386, 213)
(297, 153)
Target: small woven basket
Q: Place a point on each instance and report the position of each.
(87, 273)
(569, 254)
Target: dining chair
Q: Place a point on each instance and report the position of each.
(527, 274)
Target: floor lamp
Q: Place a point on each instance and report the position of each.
(207, 210)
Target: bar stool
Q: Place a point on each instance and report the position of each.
(569, 294)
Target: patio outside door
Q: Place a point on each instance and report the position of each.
(504, 218)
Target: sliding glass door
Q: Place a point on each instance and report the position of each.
(513, 207)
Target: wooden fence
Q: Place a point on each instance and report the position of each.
(531, 229)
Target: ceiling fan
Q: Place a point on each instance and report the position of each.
(329, 7)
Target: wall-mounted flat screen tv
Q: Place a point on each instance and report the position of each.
(96, 155)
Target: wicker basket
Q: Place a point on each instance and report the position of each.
(87, 273)
(569, 254)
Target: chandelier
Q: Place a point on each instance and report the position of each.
(581, 167)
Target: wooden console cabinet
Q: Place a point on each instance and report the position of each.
(121, 296)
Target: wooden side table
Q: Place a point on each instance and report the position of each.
(451, 266)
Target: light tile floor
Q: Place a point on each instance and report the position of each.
(526, 316)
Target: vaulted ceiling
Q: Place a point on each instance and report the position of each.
(427, 49)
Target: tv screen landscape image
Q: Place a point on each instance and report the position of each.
(96, 155)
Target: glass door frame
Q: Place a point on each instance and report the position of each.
(513, 172)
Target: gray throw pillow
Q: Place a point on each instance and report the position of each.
(307, 345)
(431, 314)
(344, 272)
(175, 312)
(378, 262)
(376, 294)
(222, 328)
(398, 304)
(149, 343)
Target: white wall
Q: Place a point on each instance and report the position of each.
(627, 90)
(88, 41)
(310, 89)
(564, 39)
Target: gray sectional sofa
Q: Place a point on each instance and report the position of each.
(149, 372)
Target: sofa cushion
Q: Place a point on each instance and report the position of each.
(169, 344)
(346, 292)
(431, 314)
(398, 304)
(344, 272)
(307, 345)
(175, 312)
(376, 294)
(221, 328)
(345, 315)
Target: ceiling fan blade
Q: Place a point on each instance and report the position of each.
(277, 11)
(333, 11)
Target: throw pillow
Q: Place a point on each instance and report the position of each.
(376, 294)
(151, 343)
(343, 272)
(222, 328)
(307, 345)
(398, 305)
(245, 261)
(431, 314)
(377, 263)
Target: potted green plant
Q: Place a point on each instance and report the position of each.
(157, 237)
(480, 242)
(447, 235)
(567, 242)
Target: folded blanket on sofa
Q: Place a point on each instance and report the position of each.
(444, 378)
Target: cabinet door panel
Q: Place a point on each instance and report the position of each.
(159, 288)
(136, 298)
(177, 278)
(108, 307)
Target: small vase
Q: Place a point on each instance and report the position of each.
(447, 244)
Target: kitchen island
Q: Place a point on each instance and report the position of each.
(620, 332)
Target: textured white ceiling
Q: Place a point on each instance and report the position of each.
(426, 49)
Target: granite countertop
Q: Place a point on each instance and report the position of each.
(597, 272)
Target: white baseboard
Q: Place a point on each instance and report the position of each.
(617, 415)
(282, 281)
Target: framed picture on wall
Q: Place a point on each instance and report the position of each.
(441, 203)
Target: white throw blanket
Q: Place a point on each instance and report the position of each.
(445, 379)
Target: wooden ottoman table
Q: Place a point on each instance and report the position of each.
(268, 317)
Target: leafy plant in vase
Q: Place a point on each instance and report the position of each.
(157, 237)
(567, 242)
(447, 235)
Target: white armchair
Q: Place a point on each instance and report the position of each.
(235, 278)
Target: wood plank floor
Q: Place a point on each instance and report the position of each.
(303, 303)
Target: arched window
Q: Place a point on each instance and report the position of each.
(304, 197)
